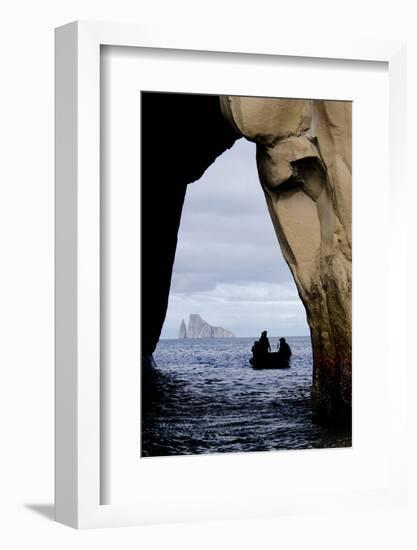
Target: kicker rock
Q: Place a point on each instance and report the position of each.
(183, 330)
(219, 332)
(304, 165)
(198, 328)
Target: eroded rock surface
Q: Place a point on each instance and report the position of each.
(304, 164)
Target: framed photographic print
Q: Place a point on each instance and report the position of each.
(222, 207)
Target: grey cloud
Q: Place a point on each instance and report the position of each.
(219, 263)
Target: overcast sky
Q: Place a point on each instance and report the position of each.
(229, 267)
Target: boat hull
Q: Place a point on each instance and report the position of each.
(270, 361)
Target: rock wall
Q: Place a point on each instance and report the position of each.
(304, 164)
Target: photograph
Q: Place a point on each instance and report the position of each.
(246, 274)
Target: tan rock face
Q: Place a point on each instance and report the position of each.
(304, 164)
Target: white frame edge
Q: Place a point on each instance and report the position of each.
(77, 232)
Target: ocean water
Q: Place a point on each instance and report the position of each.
(204, 397)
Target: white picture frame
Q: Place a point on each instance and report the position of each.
(78, 405)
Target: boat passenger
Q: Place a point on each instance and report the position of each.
(284, 350)
(263, 343)
(255, 348)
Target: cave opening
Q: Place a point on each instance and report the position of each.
(199, 180)
(228, 267)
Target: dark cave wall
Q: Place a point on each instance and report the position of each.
(181, 135)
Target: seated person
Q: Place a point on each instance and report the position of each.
(284, 350)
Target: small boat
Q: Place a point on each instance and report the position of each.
(270, 361)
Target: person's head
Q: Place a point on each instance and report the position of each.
(282, 339)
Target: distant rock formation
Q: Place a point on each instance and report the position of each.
(199, 328)
(183, 330)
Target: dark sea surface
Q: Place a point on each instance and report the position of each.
(204, 397)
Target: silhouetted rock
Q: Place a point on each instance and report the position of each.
(200, 133)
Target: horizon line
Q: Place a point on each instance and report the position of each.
(229, 337)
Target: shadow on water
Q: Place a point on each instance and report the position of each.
(205, 398)
(161, 393)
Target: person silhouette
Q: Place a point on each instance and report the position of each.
(255, 348)
(284, 350)
(263, 344)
